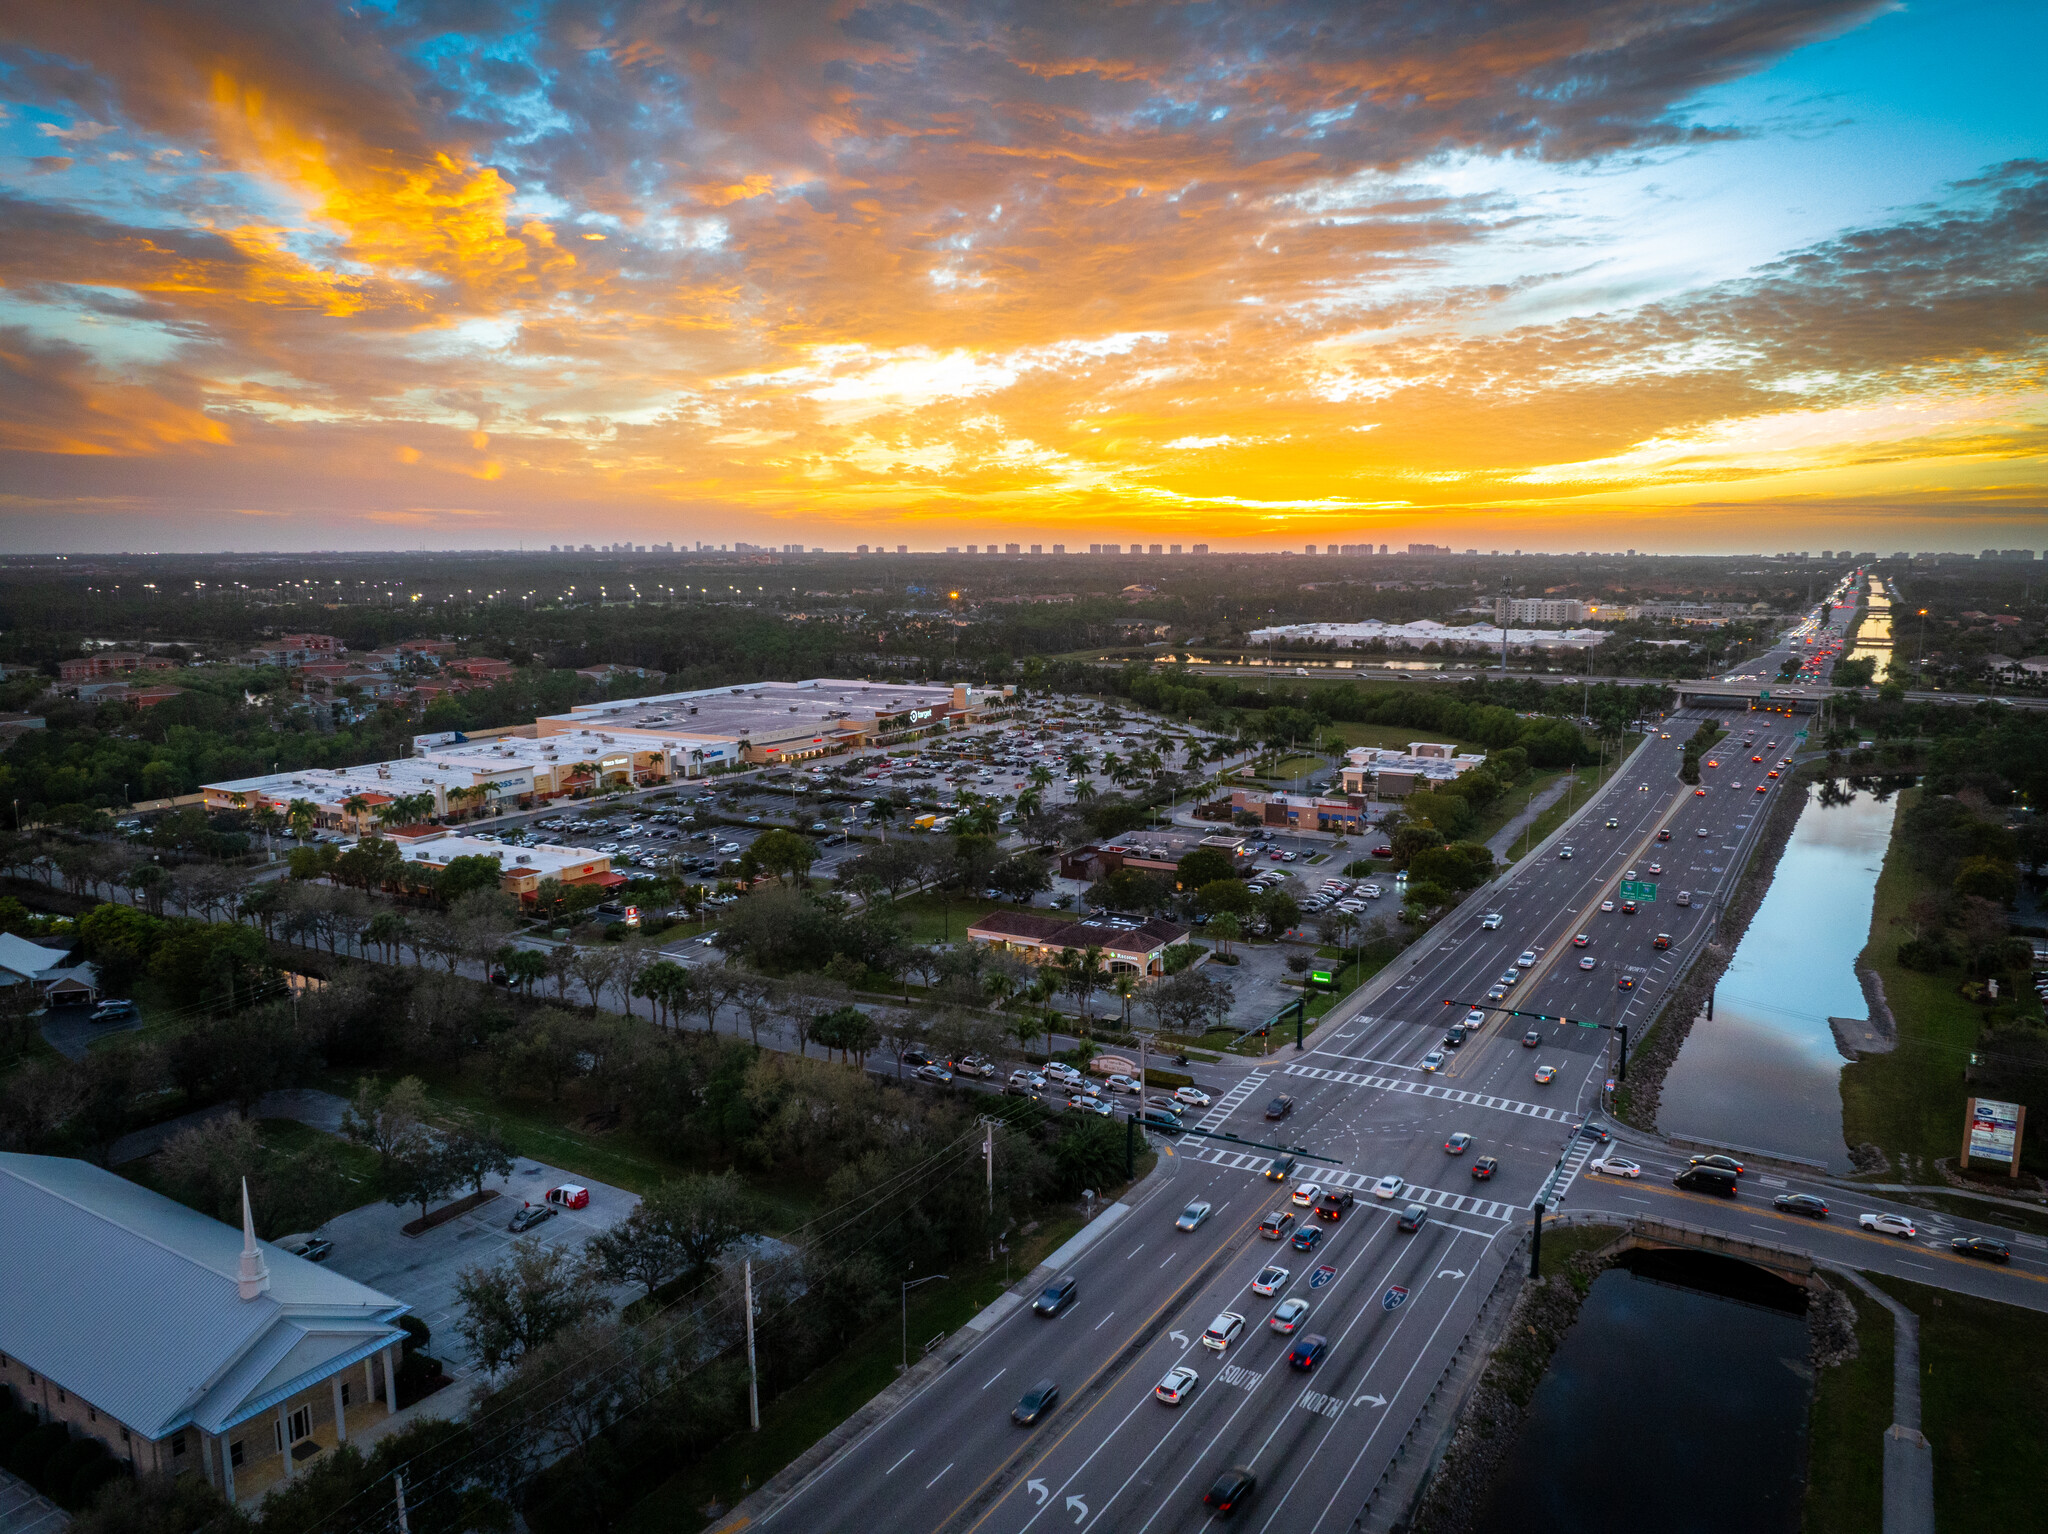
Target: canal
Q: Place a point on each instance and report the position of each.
(1764, 1073)
(1874, 634)
(1677, 1403)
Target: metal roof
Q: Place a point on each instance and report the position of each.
(129, 1300)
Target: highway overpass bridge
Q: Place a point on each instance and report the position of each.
(1756, 697)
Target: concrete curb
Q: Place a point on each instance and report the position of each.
(1908, 1456)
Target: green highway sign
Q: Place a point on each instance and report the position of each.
(1633, 889)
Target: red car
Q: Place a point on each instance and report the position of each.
(1383, 852)
(569, 1196)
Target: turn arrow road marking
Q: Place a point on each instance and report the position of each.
(1040, 1490)
(1080, 1508)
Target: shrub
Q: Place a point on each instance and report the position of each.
(1925, 953)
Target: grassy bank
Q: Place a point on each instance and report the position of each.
(1982, 1406)
(1910, 1102)
(806, 1412)
(1852, 1406)
(1591, 781)
(1564, 1242)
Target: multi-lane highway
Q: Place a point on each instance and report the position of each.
(1390, 1305)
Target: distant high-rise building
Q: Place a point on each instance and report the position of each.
(1057, 548)
(971, 548)
(1011, 548)
(1174, 550)
(860, 548)
(1095, 548)
(952, 548)
(1156, 549)
(1309, 549)
(903, 548)
(1201, 548)
(1112, 548)
(1038, 548)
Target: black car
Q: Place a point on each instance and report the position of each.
(1414, 1217)
(915, 1057)
(1800, 1203)
(1232, 1487)
(1454, 1037)
(1280, 1107)
(1162, 1120)
(1334, 1202)
(1308, 1352)
(1058, 1295)
(1038, 1400)
(113, 1011)
(1725, 1163)
(1591, 1131)
(1981, 1246)
(1281, 1169)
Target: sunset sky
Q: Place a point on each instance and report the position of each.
(1754, 274)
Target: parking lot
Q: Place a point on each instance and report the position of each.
(421, 1270)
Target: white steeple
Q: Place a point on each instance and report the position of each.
(254, 1277)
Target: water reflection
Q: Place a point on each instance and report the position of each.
(1677, 1402)
(1874, 635)
(1764, 1073)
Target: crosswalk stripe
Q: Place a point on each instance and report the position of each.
(1427, 1089)
(1460, 1203)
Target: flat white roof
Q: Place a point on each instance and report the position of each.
(548, 862)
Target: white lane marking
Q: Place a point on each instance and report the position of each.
(1099, 1325)
(991, 1380)
(898, 1465)
(1134, 1251)
(928, 1485)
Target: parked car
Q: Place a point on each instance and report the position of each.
(569, 1196)
(118, 1011)
(312, 1248)
(526, 1216)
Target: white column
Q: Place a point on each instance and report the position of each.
(369, 1382)
(208, 1445)
(284, 1434)
(340, 1414)
(390, 1383)
(227, 1470)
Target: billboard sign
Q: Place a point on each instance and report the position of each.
(1994, 1133)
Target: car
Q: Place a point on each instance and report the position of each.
(1628, 873)
(1589, 962)
(1383, 851)
(1060, 1071)
(1498, 993)
(1564, 854)
(1545, 1075)
(1725, 1163)
(1178, 1385)
(1474, 1019)
(1433, 1060)
(1592, 1131)
(1281, 1169)
(1531, 1039)
(1389, 1186)
(1285, 1319)
(1664, 835)
(1607, 905)
(113, 1011)
(1888, 1224)
(526, 1216)
(1280, 1107)
(1699, 793)
(1223, 1331)
(1656, 869)
(1763, 788)
(1094, 1105)
(1307, 1193)
(1305, 1239)
(1613, 824)
(936, 1073)
(1454, 1037)
(1981, 1246)
(1625, 983)
(1526, 959)
(568, 1196)
(1191, 1218)
(1194, 1097)
(1582, 940)
(1271, 1280)
(1772, 773)
(1230, 1490)
(1277, 1224)
(1616, 1166)
(1123, 1083)
(1661, 940)
(1308, 1352)
(1036, 1402)
(1628, 908)
(1458, 1144)
(972, 1065)
(1756, 759)
(916, 1057)
(1414, 1217)
(1801, 1203)
(1509, 977)
(1489, 921)
(1484, 1168)
(312, 1248)
(1031, 1079)
(1334, 1202)
(1057, 1295)
(1703, 833)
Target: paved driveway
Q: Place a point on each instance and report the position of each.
(24, 1510)
(421, 1270)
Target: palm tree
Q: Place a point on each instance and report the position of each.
(353, 807)
(1113, 765)
(1125, 985)
(1084, 976)
(1028, 802)
(302, 814)
(1226, 929)
(1084, 791)
(1077, 763)
(1039, 777)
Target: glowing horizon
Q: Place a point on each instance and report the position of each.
(1684, 277)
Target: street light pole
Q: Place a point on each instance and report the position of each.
(932, 1278)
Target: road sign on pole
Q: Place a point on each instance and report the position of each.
(1636, 889)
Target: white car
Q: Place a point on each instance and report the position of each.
(1490, 920)
(1887, 1224)
(1093, 1105)
(1389, 1186)
(1433, 1059)
(1307, 1193)
(1123, 1084)
(1060, 1071)
(1179, 1383)
(1271, 1280)
(1192, 1216)
(1475, 1019)
(1194, 1097)
(1526, 959)
(1616, 1166)
(1223, 1331)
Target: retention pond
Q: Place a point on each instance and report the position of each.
(1764, 1072)
(1677, 1403)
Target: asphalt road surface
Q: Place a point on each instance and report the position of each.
(1392, 1306)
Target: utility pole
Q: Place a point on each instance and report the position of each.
(988, 1161)
(398, 1479)
(753, 1379)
